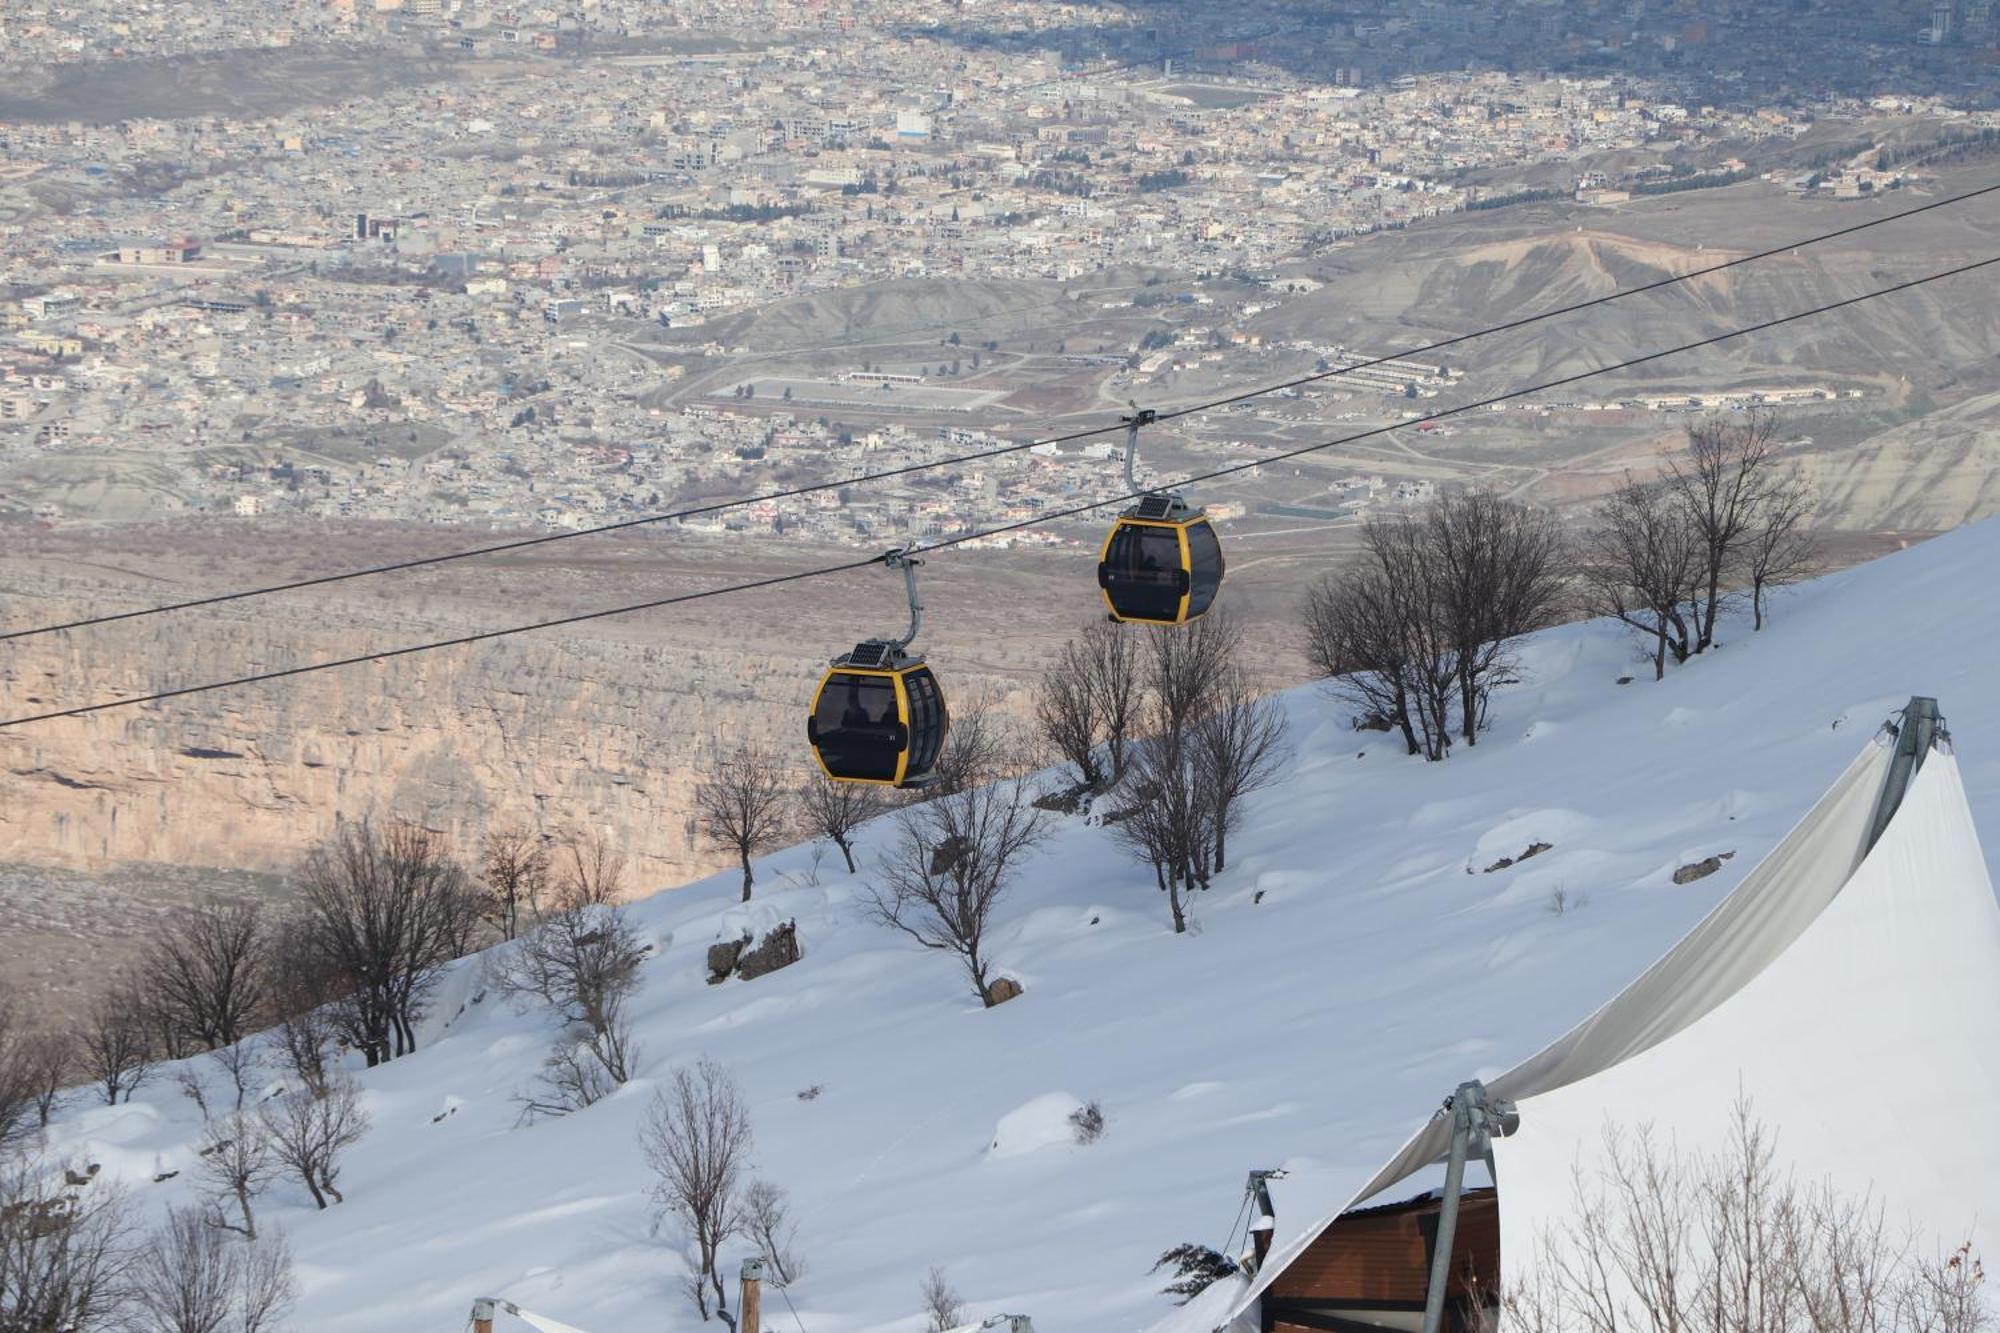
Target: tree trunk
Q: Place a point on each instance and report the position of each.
(746, 874)
(1706, 617)
(1221, 839)
(338, 1197)
(722, 1299)
(1174, 899)
(846, 851)
(249, 1222)
(976, 966)
(313, 1185)
(1756, 606)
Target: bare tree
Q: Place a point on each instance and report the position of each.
(47, 1061)
(1353, 638)
(1419, 610)
(191, 1278)
(240, 1065)
(582, 1068)
(1068, 714)
(767, 1217)
(116, 1041)
(1172, 825)
(1240, 744)
(1730, 1242)
(306, 984)
(266, 1288)
(18, 1082)
(1642, 564)
(1720, 484)
(1111, 659)
(237, 1165)
(743, 805)
(184, 1277)
(583, 962)
(944, 1309)
(696, 1140)
(390, 908)
(1500, 576)
(308, 1134)
(836, 810)
(951, 864)
(588, 870)
(205, 972)
(977, 749)
(514, 872)
(1778, 550)
(1383, 630)
(62, 1252)
(1183, 669)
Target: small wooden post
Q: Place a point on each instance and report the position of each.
(482, 1315)
(750, 1309)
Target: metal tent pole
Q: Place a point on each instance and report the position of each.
(1917, 733)
(1475, 1121)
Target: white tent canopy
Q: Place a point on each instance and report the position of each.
(1851, 994)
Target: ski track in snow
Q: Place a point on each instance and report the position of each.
(1312, 1030)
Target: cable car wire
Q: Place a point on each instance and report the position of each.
(949, 542)
(979, 455)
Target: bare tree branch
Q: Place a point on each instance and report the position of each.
(743, 806)
(696, 1140)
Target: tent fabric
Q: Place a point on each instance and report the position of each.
(1774, 906)
(1866, 1048)
(1749, 929)
(546, 1324)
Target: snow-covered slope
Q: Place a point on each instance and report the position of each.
(1353, 964)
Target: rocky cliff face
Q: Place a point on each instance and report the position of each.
(553, 733)
(602, 727)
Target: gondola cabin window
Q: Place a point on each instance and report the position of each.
(857, 727)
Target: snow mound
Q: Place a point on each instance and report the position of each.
(1041, 1123)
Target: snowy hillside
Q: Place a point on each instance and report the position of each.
(1352, 965)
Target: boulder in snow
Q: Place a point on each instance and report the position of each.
(722, 959)
(779, 948)
(1702, 869)
(1000, 990)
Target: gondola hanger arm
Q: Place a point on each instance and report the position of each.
(906, 559)
(1140, 416)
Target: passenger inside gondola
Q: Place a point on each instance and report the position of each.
(859, 733)
(1144, 566)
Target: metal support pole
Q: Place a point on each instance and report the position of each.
(1261, 1221)
(1447, 1230)
(900, 558)
(1915, 736)
(1475, 1122)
